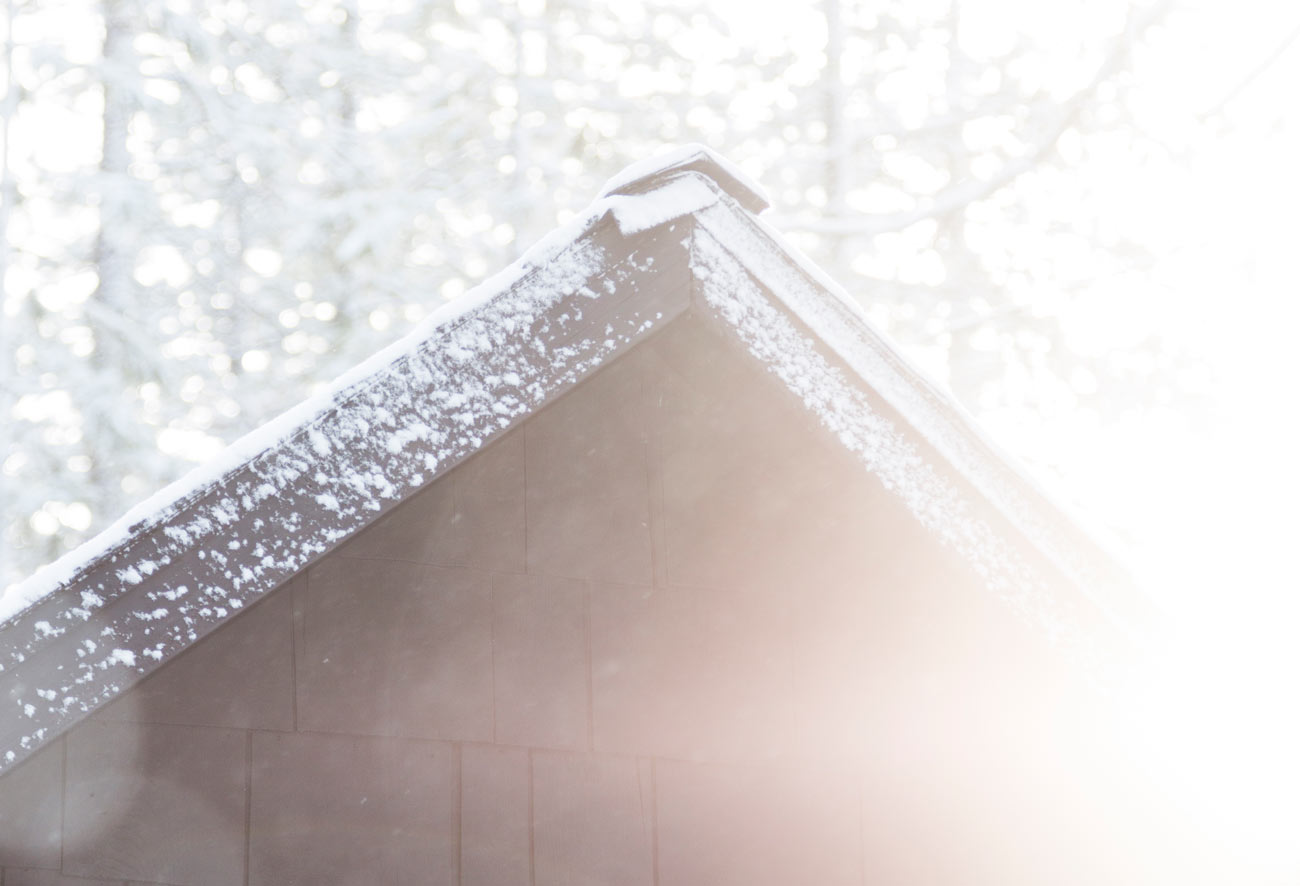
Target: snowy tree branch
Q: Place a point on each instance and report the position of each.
(970, 191)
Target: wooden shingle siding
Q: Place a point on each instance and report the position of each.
(43, 877)
(348, 809)
(496, 830)
(473, 516)
(588, 505)
(156, 802)
(391, 647)
(241, 679)
(592, 820)
(540, 666)
(737, 825)
(664, 633)
(31, 811)
(608, 487)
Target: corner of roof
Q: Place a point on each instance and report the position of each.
(651, 173)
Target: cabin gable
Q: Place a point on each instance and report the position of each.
(666, 627)
(648, 562)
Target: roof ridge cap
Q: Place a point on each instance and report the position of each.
(650, 173)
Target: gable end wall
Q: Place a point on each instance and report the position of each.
(665, 632)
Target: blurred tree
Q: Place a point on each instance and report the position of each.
(924, 177)
(273, 191)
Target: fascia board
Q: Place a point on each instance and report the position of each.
(183, 572)
(922, 446)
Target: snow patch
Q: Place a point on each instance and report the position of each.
(122, 656)
(681, 196)
(555, 253)
(320, 444)
(725, 282)
(680, 156)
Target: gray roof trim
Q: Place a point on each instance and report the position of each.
(686, 237)
(184, 572)
(836, 322)
(918, 442)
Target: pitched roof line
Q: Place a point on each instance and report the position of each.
(668, 234)
(175, 575)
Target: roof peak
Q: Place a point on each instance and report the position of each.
(660, 243)
(650, 173)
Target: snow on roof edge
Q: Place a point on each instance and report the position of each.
(1095, 534)
(668, 159)
(963, 421)
(632, 213)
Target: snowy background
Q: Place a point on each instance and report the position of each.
(1079, 215)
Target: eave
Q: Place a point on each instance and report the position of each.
(678, 237)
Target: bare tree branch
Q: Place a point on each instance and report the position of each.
(1250, 78)
(970, 191)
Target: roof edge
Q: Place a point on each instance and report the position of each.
(174, 578)
(580, 297)
(650, 174)
(666, 193)
(734, 255)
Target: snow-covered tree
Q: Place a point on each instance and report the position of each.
(204, 197)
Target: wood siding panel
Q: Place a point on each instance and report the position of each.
(344, 810)
(46, 877)
(756, 826)
(159, 803)
(496, 816)
(31, 811)
(539, 643)
(588, 506)
(473, 516)
(240, 677)
(476, 376)
(592, 821)
(773, 667)
(689, 673)
(395, 648)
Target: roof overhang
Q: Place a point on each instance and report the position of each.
(671, 237)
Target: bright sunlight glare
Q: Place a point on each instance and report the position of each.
(1208, 510)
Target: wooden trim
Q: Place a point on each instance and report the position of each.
(183, 573)
(939, 419)
(182, 576)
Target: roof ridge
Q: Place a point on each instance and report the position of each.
(651, 173)
(119, 606)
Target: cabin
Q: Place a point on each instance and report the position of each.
(648, 562)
